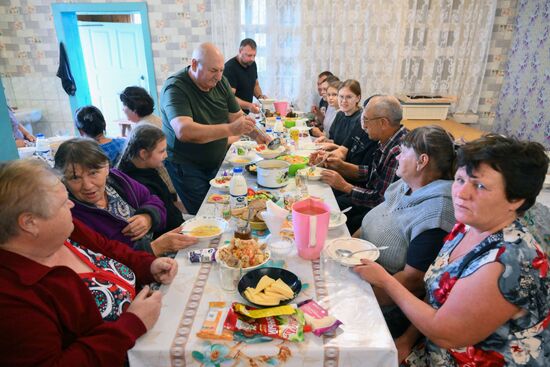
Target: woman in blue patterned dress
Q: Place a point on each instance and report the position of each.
(488, 291)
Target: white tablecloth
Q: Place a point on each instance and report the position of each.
(363, 339)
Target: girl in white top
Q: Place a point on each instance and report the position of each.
(332, 99)
(332, 83)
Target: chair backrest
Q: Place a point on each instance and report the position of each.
(537, 220)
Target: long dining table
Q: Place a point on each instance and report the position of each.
(362, 340)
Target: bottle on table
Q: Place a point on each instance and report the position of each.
(237, 189)
(294, 134)
(269, 133)
(42, 146)
(237, 193)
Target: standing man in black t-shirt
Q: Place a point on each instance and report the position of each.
(242, 74)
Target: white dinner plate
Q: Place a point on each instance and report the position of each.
(335, 223)
(309, 146)
(351, 244)
(193, 223)
(220, 186)
(248, 144)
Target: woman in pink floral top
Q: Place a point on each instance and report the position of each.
(488, 291)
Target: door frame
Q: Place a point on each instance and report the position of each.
(8, 149)
(66, 27)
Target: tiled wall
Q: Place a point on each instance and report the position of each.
(29, 54)
(503, 31)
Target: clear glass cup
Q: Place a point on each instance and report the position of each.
(332, 269)
(279, 247)
(301, 182)
(226, 211)
(229, 277)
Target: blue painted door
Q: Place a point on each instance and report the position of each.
(114, 56)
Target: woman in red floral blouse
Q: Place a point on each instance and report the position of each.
(488, 291)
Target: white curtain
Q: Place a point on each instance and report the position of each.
(389, 46)
(226, 26)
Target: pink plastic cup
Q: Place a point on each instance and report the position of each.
(281, 108)
(310, 220)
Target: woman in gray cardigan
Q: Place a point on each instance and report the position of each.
(417, 213)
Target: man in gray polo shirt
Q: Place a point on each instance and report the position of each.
(199, 113)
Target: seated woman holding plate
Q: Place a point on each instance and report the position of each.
(112, 203)
(417, 213)
(488, 291)
(68, 296)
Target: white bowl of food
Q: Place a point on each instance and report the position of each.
(263, 151)
(204, 228)
(26, 152)
(237, 254)
(239, 160)
(246, 144)
(312, 173)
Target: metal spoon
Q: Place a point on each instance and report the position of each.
(342, 252)
(337, 215)
(312, 167)
(273, 144)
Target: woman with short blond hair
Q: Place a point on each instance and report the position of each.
(68, 296)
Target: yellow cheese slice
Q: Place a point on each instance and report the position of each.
(273, 293)
(283, 288)
(264, 282)
(265, 300)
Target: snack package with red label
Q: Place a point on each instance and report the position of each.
(212, 327)
(318, 318)
(286, 327)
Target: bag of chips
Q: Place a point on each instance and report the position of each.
(318, 318)
(212, 327)
(286, 327)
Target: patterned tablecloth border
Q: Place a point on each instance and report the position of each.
(331, 354)
(177, 349)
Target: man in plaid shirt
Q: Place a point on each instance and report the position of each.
(381, 120)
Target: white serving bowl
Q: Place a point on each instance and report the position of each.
(270, 154)
(267, 254)
(191, 224)
(239, 160)
(247, 144)
(312, 174)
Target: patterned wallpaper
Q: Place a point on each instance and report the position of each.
(29, 53)
(523, 104)
(501, 39)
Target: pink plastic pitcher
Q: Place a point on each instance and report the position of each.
(310, 219)
(281, 107)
